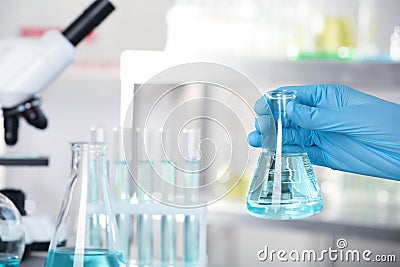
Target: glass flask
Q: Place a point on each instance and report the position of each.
(122, 191)
(77, 241)
(284, 185)
(12, 241)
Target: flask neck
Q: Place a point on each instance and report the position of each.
(89, 168)
(277, 101)
(85, 152)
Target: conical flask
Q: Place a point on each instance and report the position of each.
(79, 241)
(284, 185)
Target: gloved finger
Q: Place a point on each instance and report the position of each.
(304, 116)
(311, 118)
(264, 124)
(298, 136)
(316, 155)
(254, 139)
(261, 107)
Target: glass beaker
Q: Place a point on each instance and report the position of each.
(73, 243)
(284, 185)
(11, 234)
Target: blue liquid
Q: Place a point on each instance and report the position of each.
(9, 263)
(145, 239)
(191, 240)
(168, 222)
(191, 227)
(8, 260)
(94, 220)
(168, 240)
(65, 257)
(300, 196)
(144, 225)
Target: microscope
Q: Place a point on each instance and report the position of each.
(28, 66)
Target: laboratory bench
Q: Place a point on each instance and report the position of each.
(357, 219)
(234, 235)
(362, 226)
(37, 259)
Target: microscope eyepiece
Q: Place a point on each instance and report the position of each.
(89, 20)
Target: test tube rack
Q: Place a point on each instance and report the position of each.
(156, 210)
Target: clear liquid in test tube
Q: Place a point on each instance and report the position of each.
(144, 226)
(168, 176)
(192, 183)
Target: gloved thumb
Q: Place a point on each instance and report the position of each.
(314, 118)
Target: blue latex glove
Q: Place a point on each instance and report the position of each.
(340, 128)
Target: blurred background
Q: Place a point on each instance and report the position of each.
(275, 43)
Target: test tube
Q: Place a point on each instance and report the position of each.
(168, 173)
(122, 191)
(191, 184)
(144, 179)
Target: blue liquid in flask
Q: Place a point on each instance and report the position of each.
(77, 242)
(295, 196)
(66, 257)
(284, 186)
(8, 260)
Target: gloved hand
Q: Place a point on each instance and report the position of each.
(341, 128)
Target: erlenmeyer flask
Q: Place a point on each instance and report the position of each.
(73, 243)
(284, 185)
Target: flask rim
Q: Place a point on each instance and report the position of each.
(84, 145)
(282, 94)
